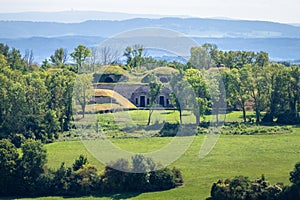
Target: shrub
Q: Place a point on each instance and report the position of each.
(241, 188)
(141, 177)
(169, 129)
(162, 179)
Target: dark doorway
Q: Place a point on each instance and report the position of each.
(142, 101)
(162, 101)
(163, 80)
(108, 80)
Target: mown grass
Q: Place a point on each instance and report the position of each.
(272, 155)
(250, 155)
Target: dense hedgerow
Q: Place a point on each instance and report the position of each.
(27, 175)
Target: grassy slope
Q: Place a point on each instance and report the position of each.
(272, 155)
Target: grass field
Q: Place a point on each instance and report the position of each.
(250, 155)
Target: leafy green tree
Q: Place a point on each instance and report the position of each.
(60, 56)
(80, 162)
(45, 65)
(60, 92)
(4, 49)
(162, 179)
(34, 112)
(31, 164)
(115, 178)
(155, 87)
(181, 96)
(15, 60)
(198, 83)
(8, 165)
(83, 90)
(61, 183)
(262, 59)
(80, 54)
(134, 56)
(259, 88)
(295, 174)
(86, 181)
(237, 88)
(200, 58)
(217, 94)
(51, 125)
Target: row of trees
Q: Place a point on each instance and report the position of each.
(38, 102)
(25, 174)
(37, 105)
(273, 88)
(249, 81)
(241, 188)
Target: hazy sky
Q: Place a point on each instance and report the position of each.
(272, 10)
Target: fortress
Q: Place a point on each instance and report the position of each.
(136, 92)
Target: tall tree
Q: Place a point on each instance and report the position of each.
(155, 87)
(198, 83)
(180, 96)
(59, 57)
(80, 55)
(15, 60)
(28, 58)
(237, 88)
(200, 58)
(134, 56)
(8, 165)
(31, 164)
(83, 90)
(259, 88)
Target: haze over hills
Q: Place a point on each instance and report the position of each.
(196, 27)
(74, 16)
(281, 41)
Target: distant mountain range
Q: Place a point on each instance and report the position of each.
(281, 41)
(74, 16)
(196, 27)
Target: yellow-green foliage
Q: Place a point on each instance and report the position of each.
(113, 69)
(121, 102)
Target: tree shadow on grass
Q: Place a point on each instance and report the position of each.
(113, 196)
(124, 196)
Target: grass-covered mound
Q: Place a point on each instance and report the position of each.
(161, 72)
(111, 74)
(118, 101)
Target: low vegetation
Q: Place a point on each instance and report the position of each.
(240, 187)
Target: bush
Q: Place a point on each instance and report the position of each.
(169, 129)
(162, 179)
(241, 188)
(130, 179)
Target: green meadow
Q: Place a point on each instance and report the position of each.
(273, 155)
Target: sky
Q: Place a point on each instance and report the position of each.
(285, 11)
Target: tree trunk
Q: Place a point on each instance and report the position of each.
(83, 110)
(217, 115)
(149, 117)
(180, 116)
(257, 113)
(197, 120)
(244, 113)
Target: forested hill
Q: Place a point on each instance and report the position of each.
(281, 41)
(196, 27)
